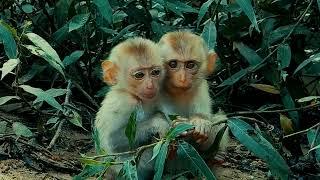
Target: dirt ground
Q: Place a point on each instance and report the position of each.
(239, 163)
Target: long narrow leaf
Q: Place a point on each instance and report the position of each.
(8, 41)
(257, 144)
(248, 10)
(187, 152)
(160, 160)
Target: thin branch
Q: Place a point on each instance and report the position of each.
(274, 111)
(57, 133)
(86, 94)
(136, 151)
(303, 131)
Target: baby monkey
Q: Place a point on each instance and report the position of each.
(135, 71)
(185, 90)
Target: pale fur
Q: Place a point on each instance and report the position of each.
(198, 101)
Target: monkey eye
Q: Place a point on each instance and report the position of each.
(173, 64)
(155, 72)
(191, 65)
(138, 75)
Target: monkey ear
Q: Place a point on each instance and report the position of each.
(211, 65)
(110, 71)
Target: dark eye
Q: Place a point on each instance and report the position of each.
(155, 72)
(173, 64)
(138, 75)
(191, 65)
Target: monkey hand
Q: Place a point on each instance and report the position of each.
(182, 120)
(201, 131)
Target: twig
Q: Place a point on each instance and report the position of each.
(136, 151)
(20, 140)
(57, 133)
(86, 94)
(303, 131)
(274, 111)
(251, 119)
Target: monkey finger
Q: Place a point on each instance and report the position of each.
(202, 139)
(179, 118)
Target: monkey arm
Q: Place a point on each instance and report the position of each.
(145, 130)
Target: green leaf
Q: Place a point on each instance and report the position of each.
(257, 144)
(8, 41)
(9, 66)
(304, 99)
(108, 31)
(97, 143)
(3, 127)
(209, 34)
(180, 128)
(129, 170)
(52, 92)
(61, 11)
(72, 58)
(266, 88)
(123, 32)
(104, 9)
(42, 95)
(247, 8)
(289, 104)
(61, 34)
(160, 160)
(314, 148)
(5, 99)
(44, 50)
(156, 150)
(21, 130)
(119, 16)
(314, 58)
(284, 55)
(249, 54)
(76, 119)
(52, 120)
(235, 77)
(27, 8)
(89, 171)
(78, 21)
(34, 70)
(311, 135)
(187, 152)
(213, 149)
(203, 10)
(283, 31)
(131, 128)
(180, 6)
(318, 1)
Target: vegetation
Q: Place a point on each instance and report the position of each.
(268, 78)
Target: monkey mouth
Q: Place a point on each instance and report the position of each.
(183, 87)
(149, 95)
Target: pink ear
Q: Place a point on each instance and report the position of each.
(110, 71)
(211, 66)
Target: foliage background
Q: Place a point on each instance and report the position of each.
(268, 50)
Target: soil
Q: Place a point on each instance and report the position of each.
(238, 164)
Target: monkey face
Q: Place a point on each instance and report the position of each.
(144, 82)
(181, 74)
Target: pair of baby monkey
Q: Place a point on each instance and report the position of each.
(168, 76)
